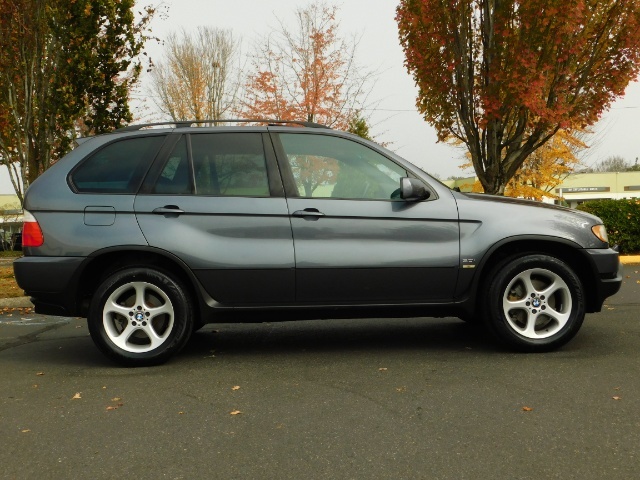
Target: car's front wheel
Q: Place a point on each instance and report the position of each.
(534, 303)
(140, 316)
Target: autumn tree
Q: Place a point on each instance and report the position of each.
(306, 71)
(546, 167)
(200, 75)
(62, 62)
(503, 76)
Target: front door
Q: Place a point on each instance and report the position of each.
(355, 241)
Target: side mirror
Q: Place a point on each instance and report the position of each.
(413, 190)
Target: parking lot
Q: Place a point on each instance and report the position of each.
(391, 398)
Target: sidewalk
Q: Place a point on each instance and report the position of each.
(24, 302)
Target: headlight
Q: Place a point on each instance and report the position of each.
(600, 232)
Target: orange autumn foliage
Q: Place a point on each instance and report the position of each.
(543, 170)
(504, 77)
(305, 73)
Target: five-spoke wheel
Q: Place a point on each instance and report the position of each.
(534, 302)
(140, 316)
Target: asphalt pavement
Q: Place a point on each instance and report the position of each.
(336, 399)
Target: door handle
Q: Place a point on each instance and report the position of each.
(308, 212)
(168, 209)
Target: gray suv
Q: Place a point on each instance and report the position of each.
(151, 233)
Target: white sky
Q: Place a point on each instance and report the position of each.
(395, 119)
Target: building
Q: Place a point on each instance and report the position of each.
(578, 188)
(584, 187)
(10, 220)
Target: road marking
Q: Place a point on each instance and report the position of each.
(30, 322)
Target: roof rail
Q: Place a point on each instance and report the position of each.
(188, 123)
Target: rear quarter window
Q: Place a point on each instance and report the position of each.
(119, 167)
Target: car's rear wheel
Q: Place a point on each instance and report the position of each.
(534, 303)
(140, 316)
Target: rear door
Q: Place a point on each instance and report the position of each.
(355, 241)
(217, 202)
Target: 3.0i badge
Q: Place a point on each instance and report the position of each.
(468, 263)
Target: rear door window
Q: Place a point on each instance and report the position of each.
(175, 178)
(222, 164)
(229, 164)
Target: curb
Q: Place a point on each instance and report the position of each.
(16, 302)
(630, 259)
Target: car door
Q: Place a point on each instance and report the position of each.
(216, 202)
(356, 241)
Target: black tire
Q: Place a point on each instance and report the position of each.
(534, 303)
(133, 309)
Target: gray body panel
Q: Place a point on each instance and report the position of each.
(376, 251)
(487, 220)
(76, 233)
(255, 253)
(240, 249)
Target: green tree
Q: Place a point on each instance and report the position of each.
(359, 126)
(65, 65)
(503, 76)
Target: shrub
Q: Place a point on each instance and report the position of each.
(622, 220)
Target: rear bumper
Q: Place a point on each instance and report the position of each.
(50, 282)
(607, 266)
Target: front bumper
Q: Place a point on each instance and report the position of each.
(50, 297)
(607, 267)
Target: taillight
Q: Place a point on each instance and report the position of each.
(31, 233)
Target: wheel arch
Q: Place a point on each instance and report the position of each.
(106, 262)
(566, 251)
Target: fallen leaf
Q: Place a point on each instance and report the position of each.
(527, 409)
(116, 399)
(39, 374)
(77, 396)
(237, 387)
(26, 430)
(235, 412)
(180, 413)
(382, 369)
(401, 389)
(617, 398)
(110, 407)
